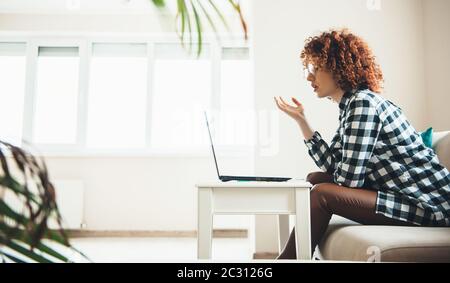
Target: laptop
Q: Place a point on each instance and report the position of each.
(224, 178)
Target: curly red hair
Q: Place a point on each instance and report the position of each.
(347, 57)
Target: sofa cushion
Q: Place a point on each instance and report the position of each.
(441, 145)
(427, 137)
(346, 240)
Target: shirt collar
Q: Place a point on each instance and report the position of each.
(344, 100)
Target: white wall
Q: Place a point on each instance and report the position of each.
(145, 193)
(84, 23)
(395, 32)
(437, 63)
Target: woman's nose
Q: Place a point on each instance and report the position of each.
(310, 77)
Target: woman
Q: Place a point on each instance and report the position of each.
(376, 170)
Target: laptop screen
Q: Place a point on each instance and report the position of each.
(212, 145)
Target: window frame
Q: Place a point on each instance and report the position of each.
(9, 39)
(84, 42)
(31, 94)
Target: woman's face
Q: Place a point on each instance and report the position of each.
(322, 81)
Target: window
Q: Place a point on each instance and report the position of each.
(12, 90)
(237, 121)
(55, 120)
(83, 95)
(236, 80)
(117, 96)
(181, 91)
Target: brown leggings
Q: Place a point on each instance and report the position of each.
(328, 198)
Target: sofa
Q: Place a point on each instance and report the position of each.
(346, 240)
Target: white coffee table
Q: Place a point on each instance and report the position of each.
(278, 198)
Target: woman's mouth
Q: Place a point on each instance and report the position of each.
(315, 87)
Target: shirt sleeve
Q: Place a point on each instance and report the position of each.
(362, 126)
(323, 155)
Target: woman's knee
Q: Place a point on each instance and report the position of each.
(318, 177)
(320, 194)
(311, 177)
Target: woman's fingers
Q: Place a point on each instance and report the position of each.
(284, 102)
(279, 105)
(277, 102)
(282, 105)
(296, 101)
(294, 112)
(286, 105)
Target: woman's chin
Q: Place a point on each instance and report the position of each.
(318, 93)
(321, 94)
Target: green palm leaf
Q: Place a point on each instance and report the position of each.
(12, 258)
(24, 237)
(31, 254)
(198, 24)
(159, 3)
(188, 15)
(24, 231)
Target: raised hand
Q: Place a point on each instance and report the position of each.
(294, 111)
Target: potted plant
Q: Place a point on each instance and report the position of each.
(25, 235)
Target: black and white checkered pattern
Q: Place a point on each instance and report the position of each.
(376, 147)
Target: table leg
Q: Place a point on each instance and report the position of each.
(283, 231)
(303, 223)
(205, 223)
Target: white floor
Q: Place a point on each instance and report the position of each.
(159, 249)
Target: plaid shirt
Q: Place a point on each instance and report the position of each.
(376, 147)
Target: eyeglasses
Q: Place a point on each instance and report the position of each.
(310, 70)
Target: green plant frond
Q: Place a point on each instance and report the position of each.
(192, 15)
(16, 187)
(219, 14)
(180, 13)
(187, 18)
(7, 211)
(23, 236)
(31, 254)
(59, 237)
(12, 258)
(237, 8)
(159, 3)
(198, 24)
(25, 232)
(208, 16)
